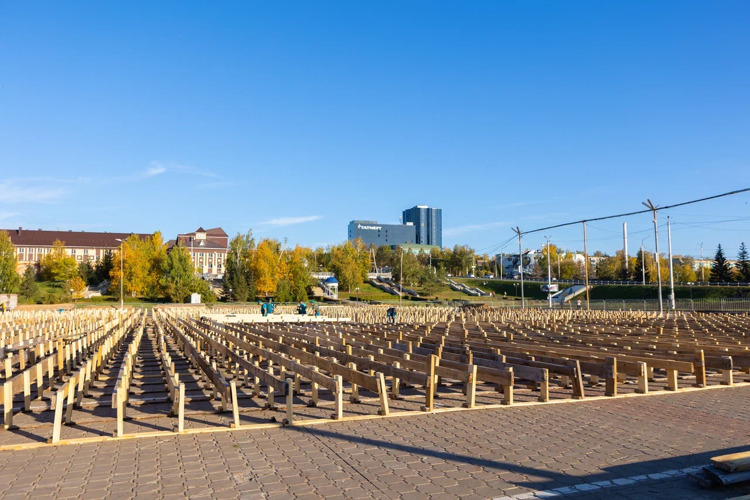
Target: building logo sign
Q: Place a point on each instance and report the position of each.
(373, 228)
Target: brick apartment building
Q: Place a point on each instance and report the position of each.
(208, 248)
(31, 245)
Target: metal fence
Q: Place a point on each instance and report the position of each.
(712, 305)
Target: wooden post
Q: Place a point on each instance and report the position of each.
(642, 379)
(181, 413)
(270, 397)
(289, 420)
(383, 393)
(354, 398)
(727, 377)
(8, 404)
(700, 368)
(235, 404)
(430, 387)
(120, 402)
(508, 390)
(314, 389)
(57, 426)
(471, 387)
(27, 390)
(671, 380)
(396, 383)
(339, 395)
(611, 380)
(71, 400)
(544, 387)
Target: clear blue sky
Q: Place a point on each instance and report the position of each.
(294, 118)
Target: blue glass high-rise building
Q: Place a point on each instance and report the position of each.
(428, 223)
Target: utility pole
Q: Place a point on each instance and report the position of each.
(559, 276)
(586, 266)
(501, 266)
(549, 275)
(703, 272)
(643, 263)
(625, 246)
(401, 280)
(122, 273)
(672, 303)
(653, 209)
(520, 265)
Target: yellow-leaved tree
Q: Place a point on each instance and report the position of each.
(58, 265)
(265, 267)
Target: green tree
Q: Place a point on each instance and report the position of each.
(239, 285)
(203, 287)
(28, 289)
(58, 265)
(178, 279)
(720, 270)
(298, 273)
(104, 267)
(743, 264)
(9, 279)
(87, 273)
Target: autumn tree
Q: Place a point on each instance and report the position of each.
(78, 285)
(57, 265)
(154, 251)
(350, 262)
(684, 270)
(265, 267)
(9, 279)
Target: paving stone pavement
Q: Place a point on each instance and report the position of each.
(471, 454)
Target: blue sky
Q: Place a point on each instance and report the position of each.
(294, 118)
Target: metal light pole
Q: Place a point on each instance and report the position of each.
(549, 275)
(671, 266)
(653, 208)
(703, 272)
(520, 266)
(643, 261)
(586, 266)
(122, 273)
(401, 281)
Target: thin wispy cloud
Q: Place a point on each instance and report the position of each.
(218, 184)
(471, 228)
(8, 215)
(155, 170)
(288, 221)
(17, 191)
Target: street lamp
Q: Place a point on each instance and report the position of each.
(122, 273)
(549, 275)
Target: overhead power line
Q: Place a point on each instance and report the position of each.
(636, 212)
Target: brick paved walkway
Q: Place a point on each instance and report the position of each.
(471, 454)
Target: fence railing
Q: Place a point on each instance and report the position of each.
(714, 305)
